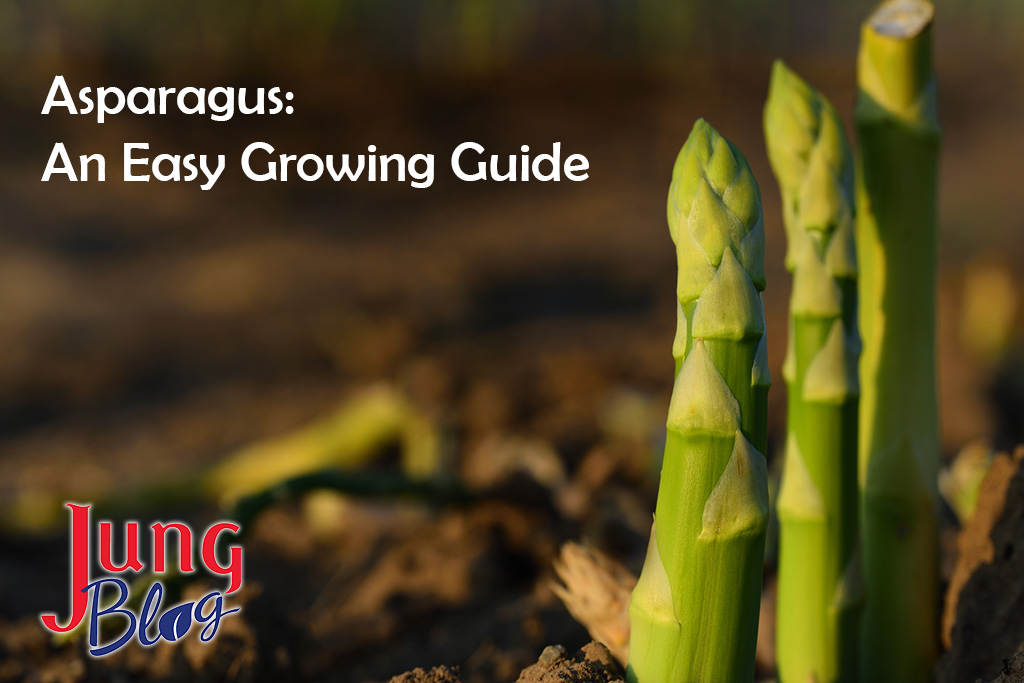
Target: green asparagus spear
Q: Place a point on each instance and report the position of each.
(819, 588)
(694, 611)
(899, 434)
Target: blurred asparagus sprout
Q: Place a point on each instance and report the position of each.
(988, 310)
(367, 422)
(819, 592)
(372, 420)
(899, 446)
(694, 611)
(960, 482)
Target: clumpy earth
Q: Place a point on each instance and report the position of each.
(984, 616)
(1013, 669)
(593, 664)
(391, 586)
(439, 674)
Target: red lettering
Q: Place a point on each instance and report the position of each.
(79, 570)
(210, 556)
(184, 546)
(131, 555)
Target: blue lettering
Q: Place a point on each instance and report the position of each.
(147, 616)
(95, 613)
(214, 617)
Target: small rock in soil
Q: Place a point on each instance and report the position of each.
(552, 655)
(593, 664)
(439, 674)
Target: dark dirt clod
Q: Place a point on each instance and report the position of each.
(984, 615)
(439, 674)
(593, 664)
(1013, 669)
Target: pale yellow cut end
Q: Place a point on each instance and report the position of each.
(902, 18)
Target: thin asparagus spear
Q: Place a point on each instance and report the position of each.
(694, 611)
(818, 582)
(899, 435)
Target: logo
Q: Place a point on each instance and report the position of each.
(94, 602)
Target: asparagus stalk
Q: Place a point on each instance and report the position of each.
(899, 435)
(694, 611)
(818, 586)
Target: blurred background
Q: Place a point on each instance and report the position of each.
(506, 338)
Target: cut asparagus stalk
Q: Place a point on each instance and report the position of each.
(899, 437)
(694, 611)
(818, 587)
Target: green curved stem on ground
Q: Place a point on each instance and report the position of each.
(819, 589)
(349, 482)
(694, 611)
(350, 437)
(899, 446)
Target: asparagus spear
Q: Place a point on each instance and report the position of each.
(896, 248)
(694, 611)
(818, 589)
